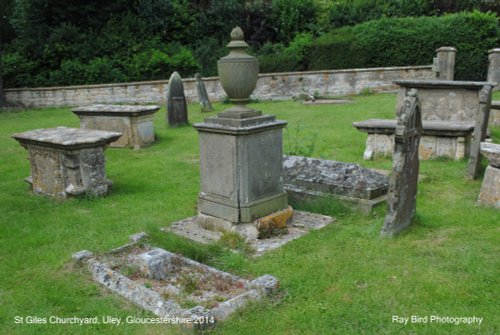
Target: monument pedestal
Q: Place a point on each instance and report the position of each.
(241, 154)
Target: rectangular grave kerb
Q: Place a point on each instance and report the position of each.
(168, 284)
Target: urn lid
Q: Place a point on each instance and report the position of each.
(237, 46)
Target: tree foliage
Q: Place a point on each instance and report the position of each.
(410, 41)
(56, 42)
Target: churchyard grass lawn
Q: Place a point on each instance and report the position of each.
(343, 279)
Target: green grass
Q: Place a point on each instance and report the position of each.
(343, 279)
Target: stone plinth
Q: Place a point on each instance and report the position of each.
(439, 138)
(309, 178)
(490, 188)
(67, 161)
(133, 121)
(300, 224)
(241, 168)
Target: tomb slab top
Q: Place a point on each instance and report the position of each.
(449, 84)
(116, 110)
(438, 128)
(346, 179)
(68, 138)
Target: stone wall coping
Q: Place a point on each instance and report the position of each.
(437, 128)
(116, 110)
(495, 104)
(475, 85)
(165, 82)
(67, 138)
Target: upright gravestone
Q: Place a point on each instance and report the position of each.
(206, 106)
(176, 102)
(480, 129)
(401, 198)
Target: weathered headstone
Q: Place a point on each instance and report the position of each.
(176, 102)
(490, 188)
(480, 128)
(206, 106)
(401, 199)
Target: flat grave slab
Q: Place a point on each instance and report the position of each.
(135, 122)
(172, 286)
(300, 224)
(355, 186)
(67, 161)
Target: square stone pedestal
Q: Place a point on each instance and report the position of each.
(490, 188)
(241, 168)
(134, 122)
(67, 161)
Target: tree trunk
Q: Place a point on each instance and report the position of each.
(3, 99)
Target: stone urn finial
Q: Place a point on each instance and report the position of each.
(238, 71)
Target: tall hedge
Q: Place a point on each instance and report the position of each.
(410, 41)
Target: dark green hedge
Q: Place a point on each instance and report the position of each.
(409, 41)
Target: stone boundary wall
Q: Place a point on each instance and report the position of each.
(270, 86)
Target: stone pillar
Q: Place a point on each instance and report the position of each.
(494, 67)
(444, 63)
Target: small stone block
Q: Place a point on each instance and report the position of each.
(275, 221)
(492, 152)
(82, 256)
(137, 237)
(267, 283)
(156, 263)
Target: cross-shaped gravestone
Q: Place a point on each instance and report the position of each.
(401, 199)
